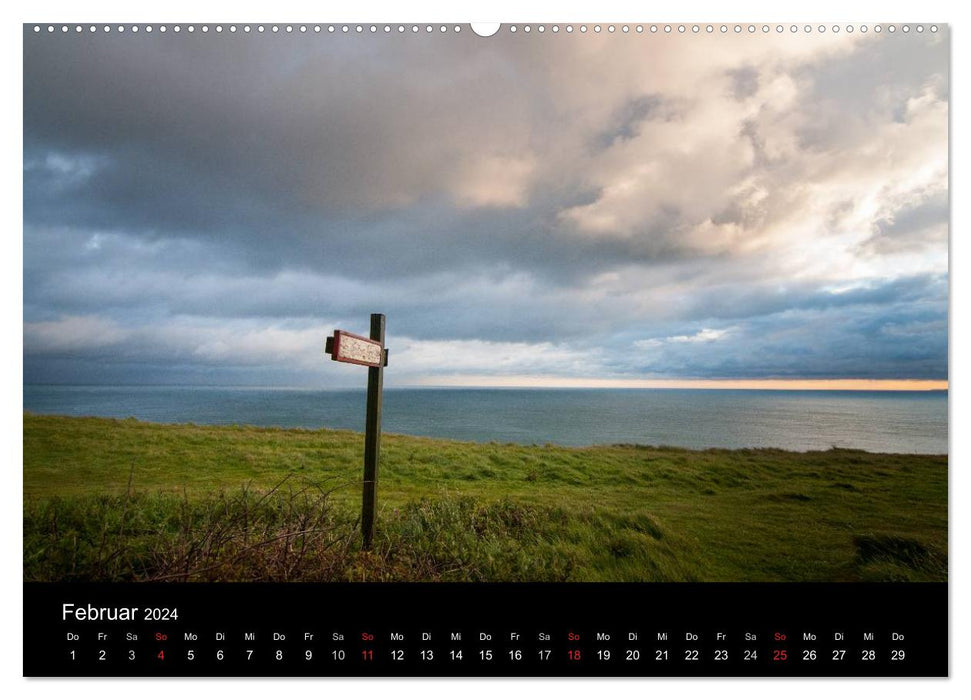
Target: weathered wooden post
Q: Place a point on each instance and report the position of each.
(347, 347)
(372, 433)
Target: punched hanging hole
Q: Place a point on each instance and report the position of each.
(485, 28)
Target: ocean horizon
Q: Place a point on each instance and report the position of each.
(800, 420)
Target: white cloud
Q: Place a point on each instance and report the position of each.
(73, 333)
(412, 356)
(259, 342)
(210, 341)
(705, 335)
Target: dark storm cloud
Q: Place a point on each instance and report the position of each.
(747, 301)
(210, 206)
(627, 122)
(328, 155)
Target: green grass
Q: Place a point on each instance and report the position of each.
(122, 499)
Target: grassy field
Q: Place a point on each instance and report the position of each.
(126, 500)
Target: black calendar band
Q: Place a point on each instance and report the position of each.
(438, 629)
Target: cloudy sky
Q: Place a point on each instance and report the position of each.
(526, 209)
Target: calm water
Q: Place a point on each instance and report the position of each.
(795, 420)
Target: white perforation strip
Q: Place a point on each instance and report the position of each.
(512, 28)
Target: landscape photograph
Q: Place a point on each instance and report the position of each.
(607, 303)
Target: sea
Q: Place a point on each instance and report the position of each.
(876, 421)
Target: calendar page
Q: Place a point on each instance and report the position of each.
(410, 349)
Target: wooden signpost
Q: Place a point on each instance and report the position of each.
(370, 352)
